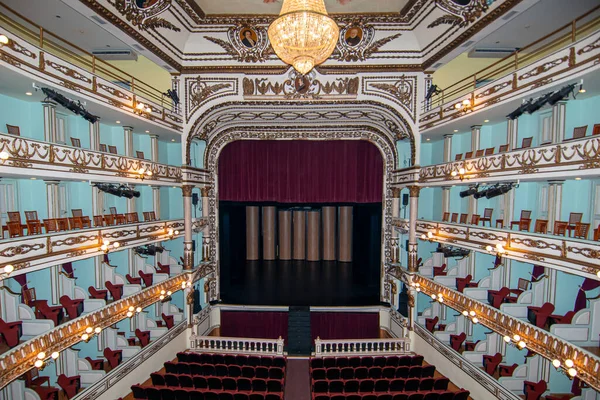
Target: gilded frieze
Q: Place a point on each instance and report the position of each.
(145, 17)
(458, 14)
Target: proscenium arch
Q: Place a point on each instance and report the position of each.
(232, 122)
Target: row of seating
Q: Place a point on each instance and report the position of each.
(234, 371)
(217, 382)
(415, 371)
(432, 395)
(368, 361)
(381, 385)
(231, 359)
(166, 393)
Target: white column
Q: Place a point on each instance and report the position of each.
(154, 148)
(128, 137)
(412, 229)
(512, 133)
(49, 121)
(554, 203)
(98, 209)
(53, 212)
(205, 193)
(131, 207)
(445, 199)
(558, 197)
(95, 136)
(559, 111)
(156, 201)
(188, 249)
(448, 148)
(475, 135)
(395, 202)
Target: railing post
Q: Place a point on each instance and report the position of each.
(93, 64)
(573, 31)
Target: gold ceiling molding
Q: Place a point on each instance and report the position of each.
(459, 15)
(144, 17)
(300, 87)
(242, 51)
(347, 50)
(402, 90)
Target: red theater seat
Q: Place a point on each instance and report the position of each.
(440, 271)
(147, 278)
(132, 280)
(490, 363)
(96, 364)
(169, 320)
(462, 283)
(163, 269)
(116, 290)
(497, 297)
(11, 332)
(456, 341)
(430, 323)
(539, 315)
(534, 391)
(99, 294)
(44, 311)
(74, 307)
(507, 370)
(143, 336)
(114, 357)
(70, 384)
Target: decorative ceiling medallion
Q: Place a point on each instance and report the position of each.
(144, 13)
(460, 12)
(356, 42)
(246, 43)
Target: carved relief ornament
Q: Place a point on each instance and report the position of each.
(146, 16)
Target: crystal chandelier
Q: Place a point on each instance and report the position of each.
(303, 35)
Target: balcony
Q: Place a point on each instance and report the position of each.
(28, 157)
(532, 67)
(574, 256)
(35, 252)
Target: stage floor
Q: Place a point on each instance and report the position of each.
(299, 283)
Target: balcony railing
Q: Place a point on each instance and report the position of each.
(34, 252)
(359, 347)
(538, 340)
(212, 344)
(575, 256)
(571, 158)
(21, 359)
(33, 157)
(560, 54)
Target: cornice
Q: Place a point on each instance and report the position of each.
(323, 69)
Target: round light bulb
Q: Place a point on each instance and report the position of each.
(522, 344)
(97, 330)
(489, 248)
(466, 102)
(418, 289)
(507, 339)
(517, 338)
(475, 320)
(183, 285)
(41, 355)
(441, 299)
(556, 363)
(139, 309)
(39, 364)
(169, 293)
(440, 295)
(423, 236)
(106, 242)
(161, 297)
(177, 232)
(4, 155)
(461, 171)
(140, 106)
(8, 269)
(116, 245)
(569, 363)
(85, 337)
(454, 173)
(457, 106)
(572, 372)
(131, 308)
(472, 313)
(104, 247)
(429, 235)
(129, 314)
(142, 170)
(189, 284)
(162, 292)
(55, 355)
(598, 274)
(89, 329)
(465, 313)
(433, 296)
(3, 39)
(149, 173)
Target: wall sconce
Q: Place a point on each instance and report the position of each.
(4, 40)
(143, 173)
(465, 106)
(90, 332)
(568, 368)
(40, 363)
(520, 344)
(8, 268)
(429, 236)
(439, 297)
(461, 173)
(499, 249)
(165, 296)
(172, 233)
(141, 108)
(108, 246)
(132, 310)
(416, 286)
(471, 314)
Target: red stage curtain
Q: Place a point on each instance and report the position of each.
(254, 324)
(301, 171)
(342, 325)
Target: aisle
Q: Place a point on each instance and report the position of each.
(297, 379)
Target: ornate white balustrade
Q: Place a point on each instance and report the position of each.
(538, 340)
(195, 176)
(216, 344)
(361, 347)
(575, 256)
(571, 61)
(97, 83)
(20, 359)
(37, 158)
(31, 253)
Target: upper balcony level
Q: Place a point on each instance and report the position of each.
(560, 57)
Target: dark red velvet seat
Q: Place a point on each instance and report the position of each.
(561, 319)
(114, 357)
(44, 311)
(440, 271)
(147, 278)
(462, 283)
(97, 365)
(11, 332)
(143, 336)
(490, 363)
(497, 297)
(116, 290)
(74, 307)
(430, 323)
(538, 316)
(69, 384)
(456, 341)
(139, 392)
(441, 383)
(163, 269)
(132, 280)
(533, 390)
(169, 320)
(507, 370)
(461, 395)
(100, 294)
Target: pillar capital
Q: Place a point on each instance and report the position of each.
(414, 191)
(128, 128)
(396, 192)
(556, 182)
(51, 182)
(205, 191)
(473, 127)
(187, 190)
(448, 135)
(49, 103)
(153, 136)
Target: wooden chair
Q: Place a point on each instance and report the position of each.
(112, 149)
(63, 224)
(454, 218)
(503, 148)
(475, 219)
(446, 217)
(149, 216)
(489, 151)
(487, 216)
(103, 147)
(75, 142)
(526, 143)
(139, 154)
(579, 132)
(597, 233)
(15, 229)
(596, 130)
(581, 230)
(479, 153)
(50, 225)
(524, 222)
(34, 225)
(574, 219)
(110, 219)
(98, 220)
(463, 218)
(541, 226)
(84, 220)
(560, 228)
(458, 157)
(13, 130)
(120, 219)
(468, 154)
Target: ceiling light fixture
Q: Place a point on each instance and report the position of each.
(29, 93)
(303, 36)
(581, 88)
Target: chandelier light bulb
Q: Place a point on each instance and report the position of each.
(4, 155)
(177, 232)
(466, 102)
(89, 329)
(465, 313)
(461, 171)
(441, 299)
(433, 296)
(129, 314)
(458, 106)
(569, 363)
(418, 289)
(598, 274)
(189, 284)
(472, 313)
(516, 337)
(475, 320)
(489, 248)
(507, 339)
(162, 292)
(139, 309)
(161, 297)
(430, 235)
(55, 355)
(454, 173)
(97, 330)
(423, 236)
(522, 344)
(304, 35)
(572, 372)
(8, 269)
(183, 285)
(149, 173)
(140, 106)
(169, 293)
(116, 245)
(106, 242)
(41, 355)
(39, 364)
(556, 363)
(104, 247)
(142, 170)
(131, 308)
(85, 337)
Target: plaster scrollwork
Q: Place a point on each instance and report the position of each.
(298, 87)
(458, 14)
(400, 89)
(252, 49)
(356, 42)
(201, 90)
(145, 17)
